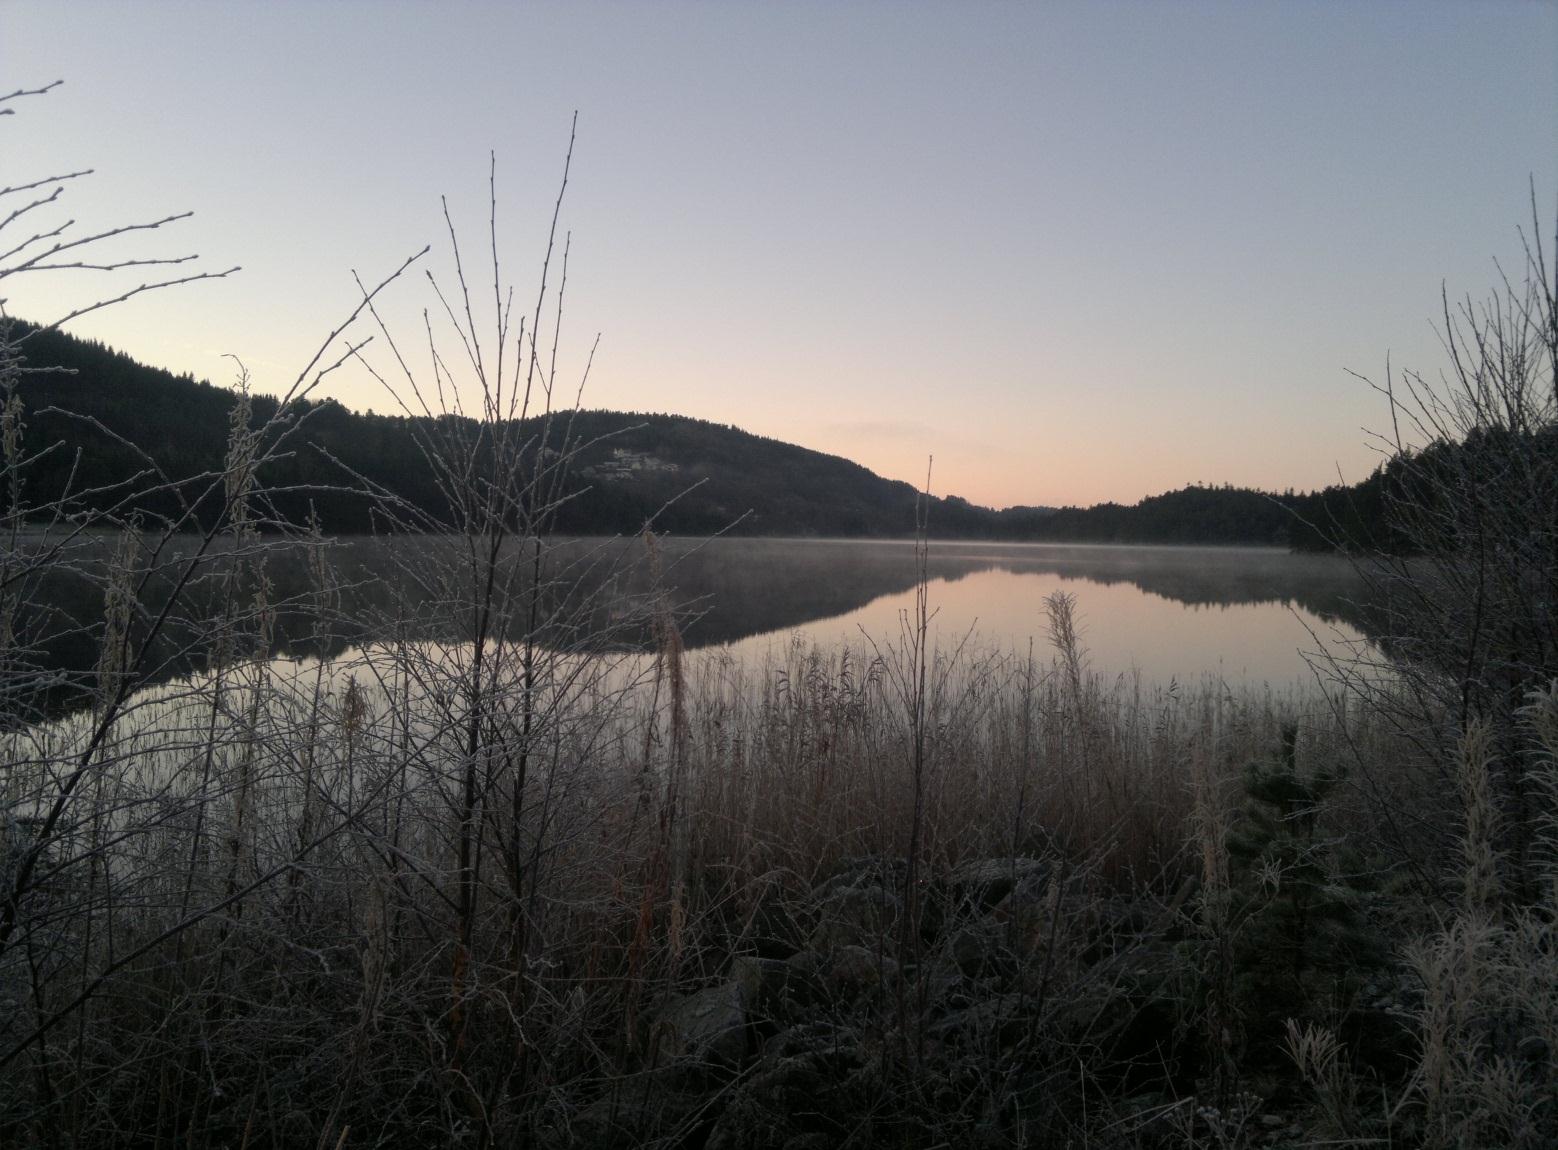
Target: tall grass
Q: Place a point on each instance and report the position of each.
(319, 809)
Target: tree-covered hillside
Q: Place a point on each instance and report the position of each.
(114, 418)
(96, 418)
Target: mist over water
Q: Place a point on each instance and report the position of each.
(1240, 615)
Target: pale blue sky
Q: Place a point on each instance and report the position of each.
(1078, 252)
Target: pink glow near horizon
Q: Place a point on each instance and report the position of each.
(1076, 253)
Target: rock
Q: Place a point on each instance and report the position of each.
(777, 992)
(762, 980)
(985, 882)
(812, 1141)
(1030, 912)
(972, 949)
(806, 1038)
(854, 970)
(770, 926)
(863, 870)
(804, 964)
(942, 986)
(707, 1026)
(855, 916)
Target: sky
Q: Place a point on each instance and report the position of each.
(1075, 252)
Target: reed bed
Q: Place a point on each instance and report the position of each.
(255, 921)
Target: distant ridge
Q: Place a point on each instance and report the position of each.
(713, 477)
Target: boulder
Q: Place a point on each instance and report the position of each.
(855, 916)
(765, 982)
(982, 883)
(707, 1026)
(857, 970)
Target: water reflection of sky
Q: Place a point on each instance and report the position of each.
(1238, 613)
(1124, 628)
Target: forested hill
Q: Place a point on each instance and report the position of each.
(630, 468)
(693, 476)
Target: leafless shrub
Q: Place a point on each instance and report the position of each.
(1465, 580)
(108, 851)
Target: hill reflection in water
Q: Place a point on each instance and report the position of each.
(1241, 613)
(1165, 610)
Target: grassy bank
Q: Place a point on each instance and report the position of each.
(679, 910)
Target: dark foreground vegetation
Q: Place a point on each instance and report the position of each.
(495, 880)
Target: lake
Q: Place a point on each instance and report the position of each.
(1241, 615)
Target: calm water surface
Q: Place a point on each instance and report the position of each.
(1244, 615)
